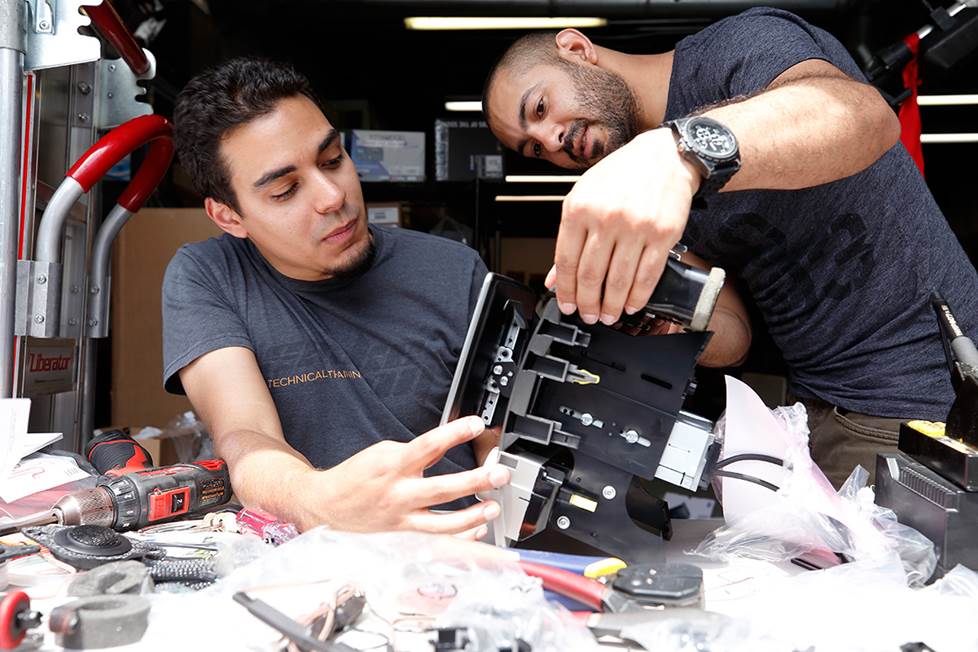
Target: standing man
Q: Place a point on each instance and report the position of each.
(313, 346)
(756, 142)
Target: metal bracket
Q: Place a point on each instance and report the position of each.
(42, 16)
(53, 39)
(121, 92)
(38, 300)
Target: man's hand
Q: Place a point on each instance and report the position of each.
(383, 487)
(618, 224)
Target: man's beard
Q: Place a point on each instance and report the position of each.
(606, 98)
(358, 262)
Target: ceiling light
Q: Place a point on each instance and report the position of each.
(949, 138)
(518, 198)
(542, 178)
(946, 100)
(501, 22)
(460, 105)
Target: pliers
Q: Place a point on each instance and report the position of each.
(633, 588)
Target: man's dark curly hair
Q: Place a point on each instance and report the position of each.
(219, 100)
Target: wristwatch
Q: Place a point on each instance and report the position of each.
(710, 147)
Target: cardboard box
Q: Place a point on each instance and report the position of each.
(466, 149)
(387, 214)
(140, 256)
(388, 155)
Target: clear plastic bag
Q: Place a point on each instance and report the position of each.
(805, 516)
(187, 434)
(430, 580)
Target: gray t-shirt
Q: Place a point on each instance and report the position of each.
(348, 362)
(841, 272)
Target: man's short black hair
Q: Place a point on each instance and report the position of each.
(530, 50)
(220, 99)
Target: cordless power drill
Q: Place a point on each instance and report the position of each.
(143, 496)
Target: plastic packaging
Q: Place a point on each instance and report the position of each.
(864, 606)
(187, 434)
(804, 517)
(427, 580)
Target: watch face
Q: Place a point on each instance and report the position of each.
(711, 138)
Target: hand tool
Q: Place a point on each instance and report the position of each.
(16, 617)
(586, 565)
(138, 499)
(292, 630)
(635, 587)
(115, 453)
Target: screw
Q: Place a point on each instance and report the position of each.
(72, 322)
(609, 492)
(631, 436)
(83, 117)
(110, 95)
(38, 319)
(111, 67)
(563, 522)
(84, 88)
(498, 369)
(44, 25)
(504, 381)
(587, 419)
(92, 323)
(95, 289)
(41, 279)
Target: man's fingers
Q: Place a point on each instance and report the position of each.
(591, 273)
(441, 489)
(551, 278)
(426, 449)
(650, 267)
(567, 255)
(475, 534)
(469, 518)
(619, 281)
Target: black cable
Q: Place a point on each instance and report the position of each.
(746, 478)
(744, 457)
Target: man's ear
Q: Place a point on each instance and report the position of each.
(574, 46)
(226, 218)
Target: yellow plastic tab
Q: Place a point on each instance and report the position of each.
(929, 428)
(608, 566)
(583, 503)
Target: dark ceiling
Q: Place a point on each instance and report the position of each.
(373, 73)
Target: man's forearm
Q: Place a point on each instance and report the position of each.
(730, 342)
(267, 473)
(807, 132)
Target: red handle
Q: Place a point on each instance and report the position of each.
(109, 25)
(113, 146)
(583, 589)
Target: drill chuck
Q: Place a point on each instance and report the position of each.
(89, 507)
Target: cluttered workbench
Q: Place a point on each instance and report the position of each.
(128, 554)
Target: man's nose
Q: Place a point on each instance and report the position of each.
(329, 196)
(551, 136)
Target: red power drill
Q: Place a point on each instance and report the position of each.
(115, 453)
(139, 498)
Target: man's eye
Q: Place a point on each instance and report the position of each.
(332, 163)
(540, 107)
(537, 150)
(288, 193)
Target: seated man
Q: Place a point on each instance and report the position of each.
(314, 346)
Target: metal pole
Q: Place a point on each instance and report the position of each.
(12, 48)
